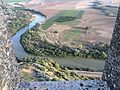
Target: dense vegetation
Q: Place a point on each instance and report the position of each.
(16, 19)
(33, 44)
(50, 21)
(63, 16)
(45, 69)
(65, 19)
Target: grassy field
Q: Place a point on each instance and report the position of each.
(69, 13)
(73, 13)
(78, 62)
(11, 1)
(69, 35)
(50, 21)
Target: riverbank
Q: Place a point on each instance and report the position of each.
(39, 42)
(18, 49)
(16, 19)
(45, 69)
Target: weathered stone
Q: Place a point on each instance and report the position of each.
(9, 73)
(66, 85)
(112, 65)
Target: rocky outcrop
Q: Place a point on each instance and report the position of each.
(66, 85)
(9, 73)
(112, 66)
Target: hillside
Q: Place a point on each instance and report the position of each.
(45, 69)
(16, 18)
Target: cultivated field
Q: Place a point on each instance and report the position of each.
(95, 25)
(65, 13)
(69, 35)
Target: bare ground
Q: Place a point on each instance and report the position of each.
(101, 26)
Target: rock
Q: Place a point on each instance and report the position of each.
(66, 85)
(112, 66)
(9, 73)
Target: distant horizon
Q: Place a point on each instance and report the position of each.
(115, 2)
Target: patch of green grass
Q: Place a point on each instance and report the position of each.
(70, 13)
(69, 35)
(67, 13)
(12, 1)
(50, 21)
(80, 14)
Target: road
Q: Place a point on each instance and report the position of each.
(88, 73)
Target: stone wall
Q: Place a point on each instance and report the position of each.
(66, 85)
(9, 73)
(112, 65)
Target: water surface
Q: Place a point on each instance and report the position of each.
(17, 47)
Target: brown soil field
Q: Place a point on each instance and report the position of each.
(101, 25)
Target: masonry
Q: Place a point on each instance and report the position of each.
(9, 71)
(112, 65)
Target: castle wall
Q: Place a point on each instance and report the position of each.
(9, 73)
(112, 65)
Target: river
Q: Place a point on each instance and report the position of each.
(75, 62)
(17, 47)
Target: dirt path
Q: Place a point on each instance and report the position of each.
(88, 73)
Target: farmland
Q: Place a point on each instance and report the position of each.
(69, 35)
(66, 15)
(50, 21)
